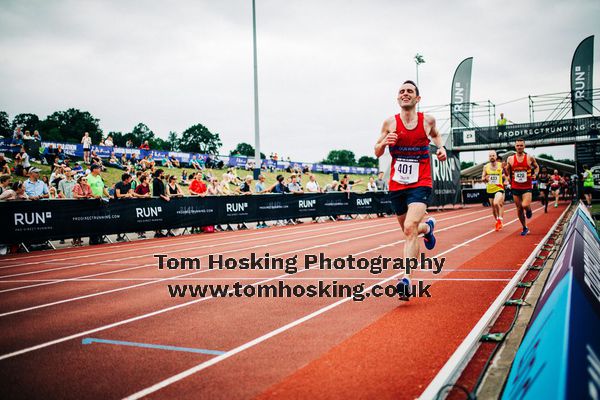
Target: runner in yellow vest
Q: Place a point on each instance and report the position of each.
(493, 175)
(588, 185)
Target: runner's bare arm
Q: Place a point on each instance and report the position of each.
(509, 167)
(435, 136)
(387, 138)
(484, 175)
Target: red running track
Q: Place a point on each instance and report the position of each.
(271, 347)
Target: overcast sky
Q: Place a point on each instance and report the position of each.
(329, 71)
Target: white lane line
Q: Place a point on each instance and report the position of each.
(103, 249)
(117, 260)
(203, 271)
(199, 256)
(154, 313)
(175, 378)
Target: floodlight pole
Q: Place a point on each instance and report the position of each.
(257, 161)
(418, 60)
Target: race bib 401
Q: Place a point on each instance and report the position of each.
(406, 171)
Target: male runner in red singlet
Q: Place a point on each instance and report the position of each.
(519, 168)
(410, 186)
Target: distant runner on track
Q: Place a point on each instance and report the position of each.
(407, 136)
(493, 175)
(544, 187)
(522, 169)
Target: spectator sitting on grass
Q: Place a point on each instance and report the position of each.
(34, 187)
(173, 188)
(15, 192)
(123, 187)
(246, 187)
(96, 182)
(147, 163)
(184, 178)
(66, 186)
(113, 161)
(4, 168)
(24, 157)
(82, 189)
(96, 159)
(174, 161)
(57, 175)
(194, 163)
(198, 187)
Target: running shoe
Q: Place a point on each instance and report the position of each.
(403, 289)
(528, 213)
(498, 225)
(429, 237)
(555, 205)
(525, 232)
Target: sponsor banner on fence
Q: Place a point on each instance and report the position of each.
(52, 219)
(559, 355)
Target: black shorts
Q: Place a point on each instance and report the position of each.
(492, 195)
(520, 192)
(402, 198)
(588, 189)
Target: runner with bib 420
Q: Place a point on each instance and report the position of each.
(407, 136)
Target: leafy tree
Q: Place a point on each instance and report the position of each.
(546, 156)
(173, 140)
(466, 164)
(198, 139)
(368, 162)
(70, 125)
(159, 144)
(340, 157)
(245, 149)
(118, 138)
(140, 133)
(27, 122)
(5, 125)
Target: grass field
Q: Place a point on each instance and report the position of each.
(113, 175)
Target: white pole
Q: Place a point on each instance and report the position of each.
(256, 124)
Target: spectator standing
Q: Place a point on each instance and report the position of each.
(123, 187)
(86, 141)
(66, 186)
(24, 160)
(142, 190)
(371, 186)
(129, 144)
(82, 189)
(5, 182)
(260, 185)
(312, 186)
(382, 185)
(96, 182)
(109, 141)
(158, 190)
(145, 146)
(15, 192)
(173, 188)
(198, 187)
(34, 187)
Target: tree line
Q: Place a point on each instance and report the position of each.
(69, 126)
